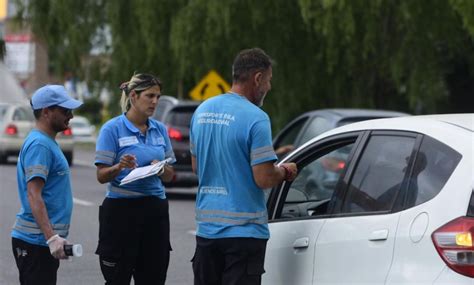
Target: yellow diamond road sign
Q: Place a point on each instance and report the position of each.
(211, 85)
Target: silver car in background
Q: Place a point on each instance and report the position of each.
(82, 130)
(16, 121)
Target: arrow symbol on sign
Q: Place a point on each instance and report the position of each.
(221, 87)
(203, 90)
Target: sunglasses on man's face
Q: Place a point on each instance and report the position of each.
(64, 111)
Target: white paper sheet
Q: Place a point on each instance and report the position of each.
(145, 171)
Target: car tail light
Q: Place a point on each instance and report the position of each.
(175, 134)
(11, 130)
(333, 164)
(67, 132)
(453, 241)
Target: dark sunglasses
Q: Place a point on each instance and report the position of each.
(65, 111)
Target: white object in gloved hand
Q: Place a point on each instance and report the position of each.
(56, 246)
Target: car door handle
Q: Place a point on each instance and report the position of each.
(378, 235)
(301, 243)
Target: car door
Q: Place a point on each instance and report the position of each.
(298, 210)
(356, 243)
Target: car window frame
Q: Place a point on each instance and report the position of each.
(278, 194)
(399, 202)
(304, 130)
(283, 133)
(313, 151)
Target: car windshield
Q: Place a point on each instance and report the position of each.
(181, 117)
(3, 111)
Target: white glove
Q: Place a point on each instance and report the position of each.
(56, 246)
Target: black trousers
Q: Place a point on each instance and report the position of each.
(35, 263)
(134, 240)
(229, 261)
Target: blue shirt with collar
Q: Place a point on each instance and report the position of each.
(229, 135)
(118, 137)
(41, 157)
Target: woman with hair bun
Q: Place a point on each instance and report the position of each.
(134, 232)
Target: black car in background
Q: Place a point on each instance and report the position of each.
(313, 123)
(176, 115)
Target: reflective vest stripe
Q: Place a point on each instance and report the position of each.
(126, 192)
(234, 218)
(36, 169)
(106, 156)
(33, 228)
(260, 221)
(232, 214)
(262, 152)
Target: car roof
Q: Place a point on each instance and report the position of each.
(353, 113)
(455, 130)
(176, 101)
(79, 118)
(14, 104)
(428, 124)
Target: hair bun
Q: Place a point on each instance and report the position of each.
(124, 86)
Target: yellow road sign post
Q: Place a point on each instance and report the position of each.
(211, 85)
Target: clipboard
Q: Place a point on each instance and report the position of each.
(145, 171)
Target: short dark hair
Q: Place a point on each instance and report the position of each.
(249, 61)
(36, 113)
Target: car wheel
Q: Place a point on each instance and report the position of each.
(3, 158)
(69, 157)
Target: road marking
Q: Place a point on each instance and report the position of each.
(191, 232)
(82, 202)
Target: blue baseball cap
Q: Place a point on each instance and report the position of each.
(53, 95)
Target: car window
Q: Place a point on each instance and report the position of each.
(21, 114)
(434, 164)
(288, 137)
(181, 117)
(317, 126)
(309, 194)
(379, 174)
(160, 109)
(3, 112)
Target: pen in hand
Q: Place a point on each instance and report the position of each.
(128, 161)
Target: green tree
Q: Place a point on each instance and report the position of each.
(414, 56)
(387, 54)
(208, 34)
(67, 27)
(140, 33)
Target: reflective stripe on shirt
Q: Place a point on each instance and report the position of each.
(105, 156)
(33, 228)
(36, 169)
(122, 191)
(234, 218)
(262, 152)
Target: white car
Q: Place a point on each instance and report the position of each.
(385, 201)
(82, 130)
(16, 121)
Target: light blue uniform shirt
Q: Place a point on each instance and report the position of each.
(228, 136)
(118, 137)
(40, 156)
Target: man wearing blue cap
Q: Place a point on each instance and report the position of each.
(44, 187)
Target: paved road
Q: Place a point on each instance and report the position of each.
(88, 194)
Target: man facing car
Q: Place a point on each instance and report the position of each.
(232, 154)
